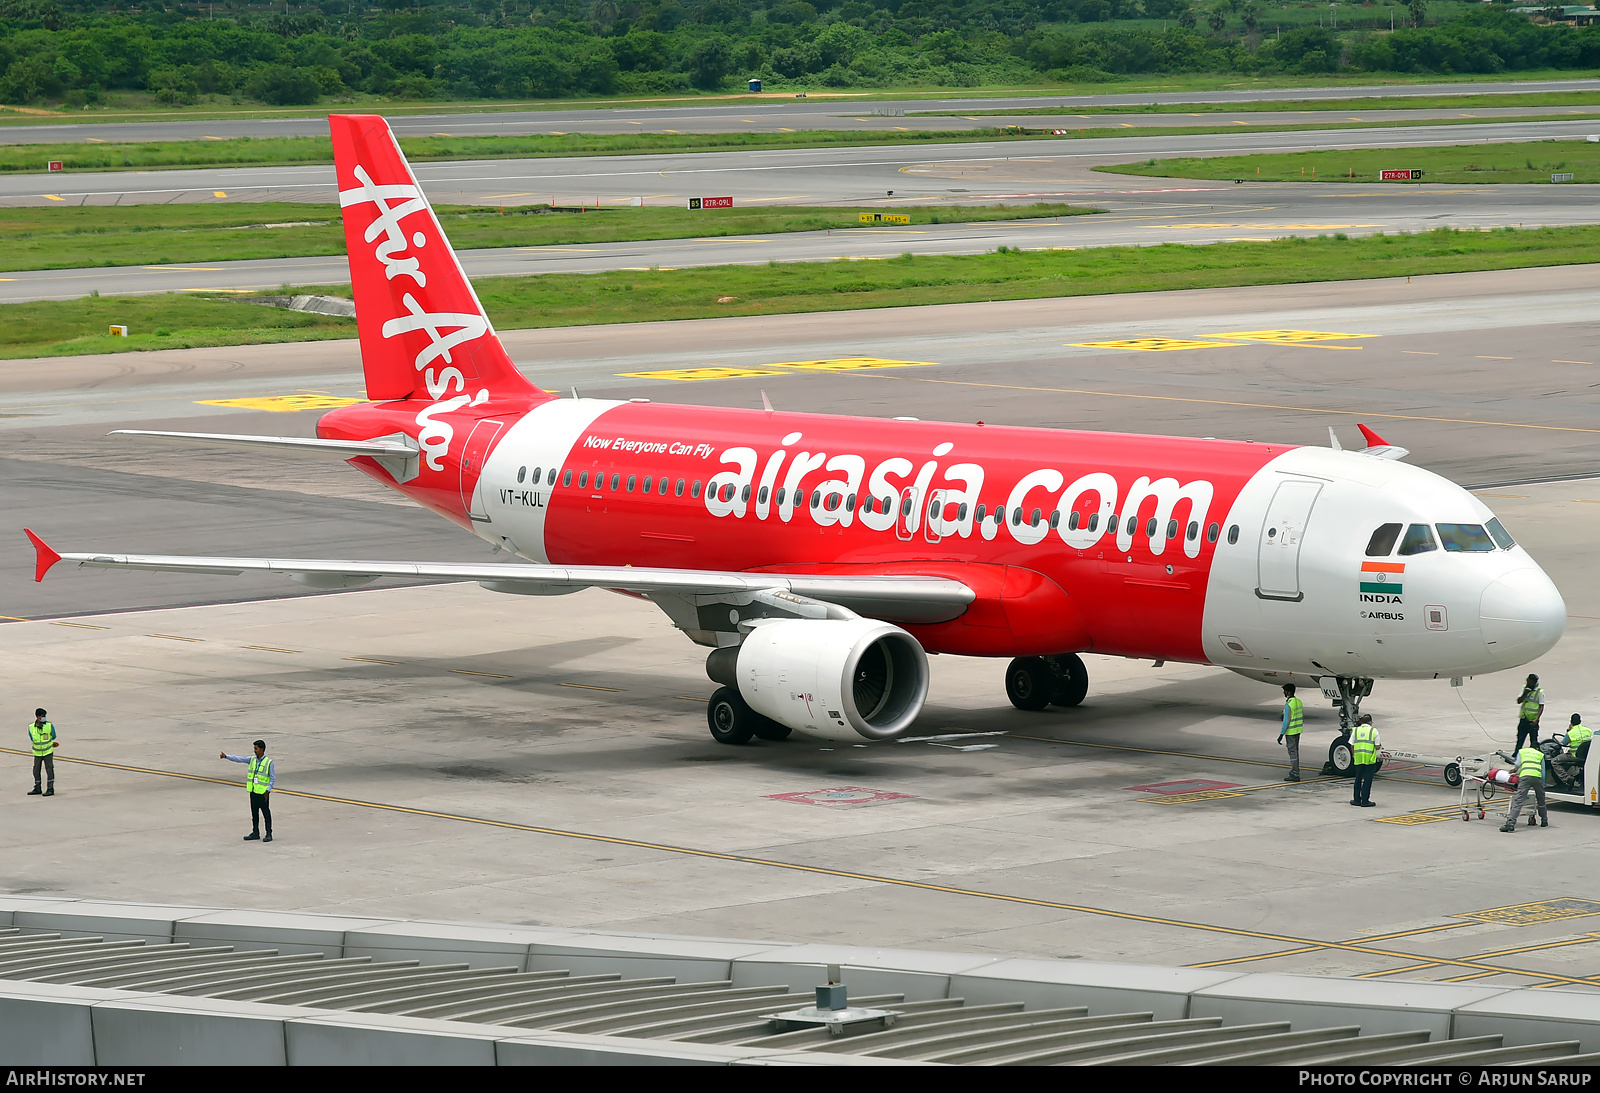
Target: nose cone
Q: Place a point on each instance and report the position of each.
(1523, 615)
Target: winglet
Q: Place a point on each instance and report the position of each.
(46, 556)
(1373, 439)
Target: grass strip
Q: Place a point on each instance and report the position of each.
(1463, 101)
(265, 151)
(66, 237)
(69, 327)
(1523, 161)
(271, 151)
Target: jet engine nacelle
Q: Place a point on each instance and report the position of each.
(840, 679)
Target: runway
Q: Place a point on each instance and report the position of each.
(793, 176)
(768, 112)
(1139, 210)
(397, 715)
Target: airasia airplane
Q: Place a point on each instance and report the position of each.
(821, 558)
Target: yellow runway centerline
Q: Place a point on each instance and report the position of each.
(1366, 949)
(1314, 948)
(1153, 345)
(708, 373)
(1539, 947)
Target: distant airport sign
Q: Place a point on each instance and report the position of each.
(711, 203)
(1399, 176)
(57, 165)
(1565, 176)
(885, 218)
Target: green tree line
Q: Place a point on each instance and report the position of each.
(79, 51)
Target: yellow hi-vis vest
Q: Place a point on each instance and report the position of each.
(1297, 716)
(1364, 745)
(1578, 735)
(42, 737)
(1530, 763)
(260, 774)
(1531, 704)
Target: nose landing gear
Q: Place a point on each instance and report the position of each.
(1346, 693)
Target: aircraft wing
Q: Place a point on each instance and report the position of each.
(905, 599)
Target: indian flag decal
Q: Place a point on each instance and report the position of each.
(1382, 577)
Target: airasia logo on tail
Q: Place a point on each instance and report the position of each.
(401, 256)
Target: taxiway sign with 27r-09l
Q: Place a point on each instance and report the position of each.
(821, 557)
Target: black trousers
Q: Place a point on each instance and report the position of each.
(48, 762)
(258, 808)
(1529, 731)
(1363, 786)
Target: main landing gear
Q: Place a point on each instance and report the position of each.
(1346, 693)
(1032, 683)
(732, 721)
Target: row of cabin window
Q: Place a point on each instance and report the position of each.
(951, 511)
(648, 486)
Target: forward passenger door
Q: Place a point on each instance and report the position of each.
(1278, 556)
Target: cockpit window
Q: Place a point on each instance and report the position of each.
(1498, 533)
(1418, 540)
(1381, 545)
(1465, 537)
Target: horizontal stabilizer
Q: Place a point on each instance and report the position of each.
(397, 454)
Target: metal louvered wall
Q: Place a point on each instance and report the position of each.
(622, 1016)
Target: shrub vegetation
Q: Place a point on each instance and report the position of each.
(297, 52)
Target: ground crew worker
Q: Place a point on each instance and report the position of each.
(262, 774)
(42, 734)
(1530, 707)
(1530, 779)
(1294, 716)
(1570, 766)
(1364, 744)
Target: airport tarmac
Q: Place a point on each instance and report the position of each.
(450, 753)
(767, 112)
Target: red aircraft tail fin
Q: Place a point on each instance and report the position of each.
(424, 334)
